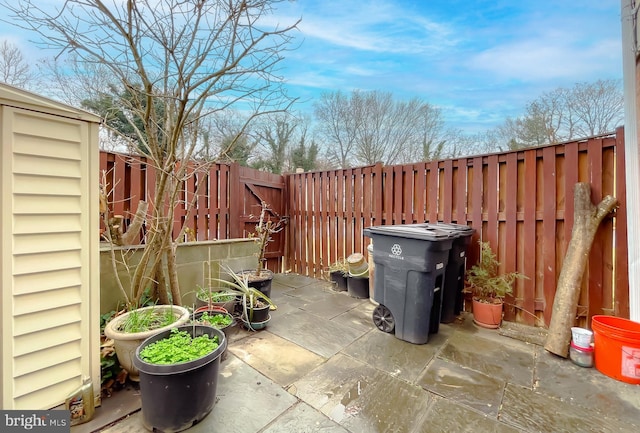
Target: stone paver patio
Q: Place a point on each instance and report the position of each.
(322, 366)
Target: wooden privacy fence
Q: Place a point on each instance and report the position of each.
(227, 199)
(520, 201)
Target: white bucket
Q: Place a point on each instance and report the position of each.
(581, 337)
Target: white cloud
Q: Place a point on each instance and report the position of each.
(536, 60)
(381, 27)
(360, 71)
(312, 79)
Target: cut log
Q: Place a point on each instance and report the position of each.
(134, 229)
(587, 218)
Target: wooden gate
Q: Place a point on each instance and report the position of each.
(248, 189)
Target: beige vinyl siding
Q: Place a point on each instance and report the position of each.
(49, 340)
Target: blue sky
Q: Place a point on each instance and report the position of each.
(478, 60)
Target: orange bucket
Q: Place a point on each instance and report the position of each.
(617, 347)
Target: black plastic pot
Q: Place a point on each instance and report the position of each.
(256, 326)
(358, 287)
(340, 279)
(259, 314)
(262, 284)
(175, 397)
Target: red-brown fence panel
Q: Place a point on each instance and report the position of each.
(521, 202)
(204, 205)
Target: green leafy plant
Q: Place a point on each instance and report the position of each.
(484, 279)
(217, 320)
(145, 320)
(209, 295)
(179, 347)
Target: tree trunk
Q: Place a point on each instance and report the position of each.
(134, 229)
(587, 218)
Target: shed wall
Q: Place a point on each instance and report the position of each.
(49, 340)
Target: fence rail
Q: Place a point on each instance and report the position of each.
(520, 201)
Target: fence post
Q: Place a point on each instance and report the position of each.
(235, 204)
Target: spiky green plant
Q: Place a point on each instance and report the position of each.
(250, 296)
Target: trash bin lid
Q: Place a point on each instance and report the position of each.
(459, 229)
(412, 231)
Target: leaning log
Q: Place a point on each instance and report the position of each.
(131, 235)
(587, 218)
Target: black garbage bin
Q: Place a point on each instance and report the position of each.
(410, 262)
(451, 295)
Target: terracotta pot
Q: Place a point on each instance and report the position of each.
(212, 311)
(487, 315)
(358, 266)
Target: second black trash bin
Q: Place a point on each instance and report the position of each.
(410, 263)
(452, 296)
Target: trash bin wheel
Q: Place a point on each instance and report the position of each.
(383, 319)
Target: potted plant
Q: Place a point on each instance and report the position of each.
(261, 277)
(131, 328)
(338, 272)
(216, 297)
(179, 376)
(489, 287)
(254, 304)
(218, 319)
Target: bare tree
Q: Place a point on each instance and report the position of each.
(547, 119)
(224, 137)
(177, 61)
(338, 124)
(370, 127)
(597, 107)
(14, 69)
(451, 143)
(88, 85)
(584, 110)
(435, 140)
(72, 80)
(275, 136)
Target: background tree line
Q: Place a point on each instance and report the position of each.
(345, 130)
